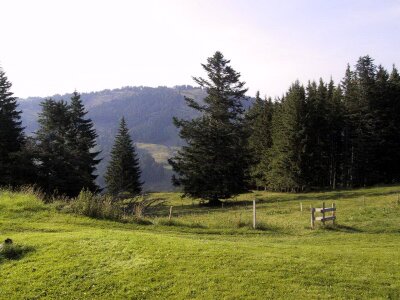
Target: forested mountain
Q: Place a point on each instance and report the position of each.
(148, 112)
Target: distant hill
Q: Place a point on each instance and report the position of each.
(148, 112)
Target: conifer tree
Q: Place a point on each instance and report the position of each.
(214, 163)
(335, 135)
(259, 123)
(288, 142)
(352, 119)
(393, 127)
(16, 165)
(359, 93)
(123, 171)
(57, 167)
(316, 162)
(82, 142)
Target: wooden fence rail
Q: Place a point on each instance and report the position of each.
(324, 218)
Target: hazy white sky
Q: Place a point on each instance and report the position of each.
(49, 46)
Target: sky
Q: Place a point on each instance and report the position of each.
(52, 47)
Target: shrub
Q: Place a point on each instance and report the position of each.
(95, 206)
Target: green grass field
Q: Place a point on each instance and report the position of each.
(208, 253)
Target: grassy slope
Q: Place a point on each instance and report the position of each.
(160, 153)
(208, 253)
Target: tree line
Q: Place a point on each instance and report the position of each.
(329, 136)
(61, 158)
(319, 136)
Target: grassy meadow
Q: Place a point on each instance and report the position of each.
(207, 253)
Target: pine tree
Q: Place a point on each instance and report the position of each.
(259, 123)
(288, 142)
(317, 130)
(16, 165)
(57, 169)
(214, 163)
(393, 122)
(123, 171)
(335, 135)
(82, 141)
(351, 119)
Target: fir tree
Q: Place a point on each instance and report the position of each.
(82, 142)
(16, 165)
(393, 124)
(123, 171)
(288, 142)
(57, 169)
(316, 162)
(259, 123)
(335, 135)
(352, 119)
(214, 163)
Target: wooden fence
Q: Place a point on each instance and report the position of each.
(323, 210)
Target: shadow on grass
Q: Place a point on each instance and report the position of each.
(14, 251)
(265, 227)
(342, 228)
(177, 223)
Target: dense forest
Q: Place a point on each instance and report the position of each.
(323, 135)
(328, 136)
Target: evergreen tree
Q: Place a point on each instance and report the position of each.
(123, 171)
(214, 163)
(335, 135)
(16, 165)
(288, 142)
(57, 167)
(259, 123)
(352, 117)
(361, 142)
(82, 142)
(393, 124)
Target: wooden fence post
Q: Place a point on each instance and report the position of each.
(170, 213)
(323, 213)
(254, 214)
(312, 210)
(333, 213)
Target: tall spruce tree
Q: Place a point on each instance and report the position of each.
(351, 123)
(16, 166)
(259, 123)
(123, 171)
(361, 141)
(393, 141)
(82, 142)
(288, 142)
(57, 169)
(335, 135)
(213, 164)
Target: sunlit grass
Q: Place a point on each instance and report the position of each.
(208, 253)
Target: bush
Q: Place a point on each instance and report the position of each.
(95, 206)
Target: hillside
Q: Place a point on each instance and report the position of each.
(205, 253)
(149, 113)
